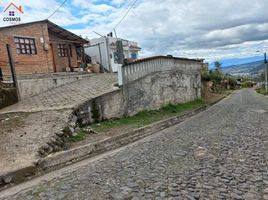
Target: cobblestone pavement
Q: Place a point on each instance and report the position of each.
(221, 153)
(66, 96)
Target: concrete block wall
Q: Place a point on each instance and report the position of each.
(31, 86)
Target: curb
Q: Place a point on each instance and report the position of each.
(68, 157)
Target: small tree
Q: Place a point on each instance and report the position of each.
(216, 76)
(232, 82)
(217, 65)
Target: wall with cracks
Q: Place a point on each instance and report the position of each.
(171, 83)
(147, 85)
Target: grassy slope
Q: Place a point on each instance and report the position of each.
(147, 117)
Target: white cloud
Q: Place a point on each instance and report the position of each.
(190, 28)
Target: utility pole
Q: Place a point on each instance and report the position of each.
(100, 53)
(13, 71)
(108, 53)
(120, 51)
(266, 71)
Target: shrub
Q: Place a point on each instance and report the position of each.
(247, 84)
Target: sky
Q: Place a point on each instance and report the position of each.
(225, 30)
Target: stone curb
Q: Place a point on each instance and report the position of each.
(65, 158)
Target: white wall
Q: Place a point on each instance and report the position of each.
(94, 52)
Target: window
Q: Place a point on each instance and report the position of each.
(134, 55)
(79, 52)
(25, 45)
(62, 50)
(116, 59)
(70, 50)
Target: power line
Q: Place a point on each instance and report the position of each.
(128, 10)
(57, 9)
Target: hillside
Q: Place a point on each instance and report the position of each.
(247, 69)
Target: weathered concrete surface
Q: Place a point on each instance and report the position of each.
(67, 96)
(218, 154)
(154, 82)
(22, 135)
(161, 88)
(37, 84)
(91, 100)
(24, 131)
(150, 92)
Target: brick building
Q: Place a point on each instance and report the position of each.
(40, 47)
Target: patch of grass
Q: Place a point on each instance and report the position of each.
(79, 137)
(148, 117)
(262, 91)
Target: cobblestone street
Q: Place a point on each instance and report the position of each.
(221, 153)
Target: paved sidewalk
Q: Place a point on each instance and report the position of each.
(67, 96)
(31, 123)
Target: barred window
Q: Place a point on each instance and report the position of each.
(25, 45)
(62, 50)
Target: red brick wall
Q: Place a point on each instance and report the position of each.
(26, 64)
(62, 62)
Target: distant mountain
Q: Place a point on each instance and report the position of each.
(247, 69)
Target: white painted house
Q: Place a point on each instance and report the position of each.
(103, 51)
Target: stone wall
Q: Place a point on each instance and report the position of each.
(169, 82)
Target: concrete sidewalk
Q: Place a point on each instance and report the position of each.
(66, 96)
(30, 124)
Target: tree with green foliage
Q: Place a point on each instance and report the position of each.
(216, 76)
(217, 65)
(232, 82)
